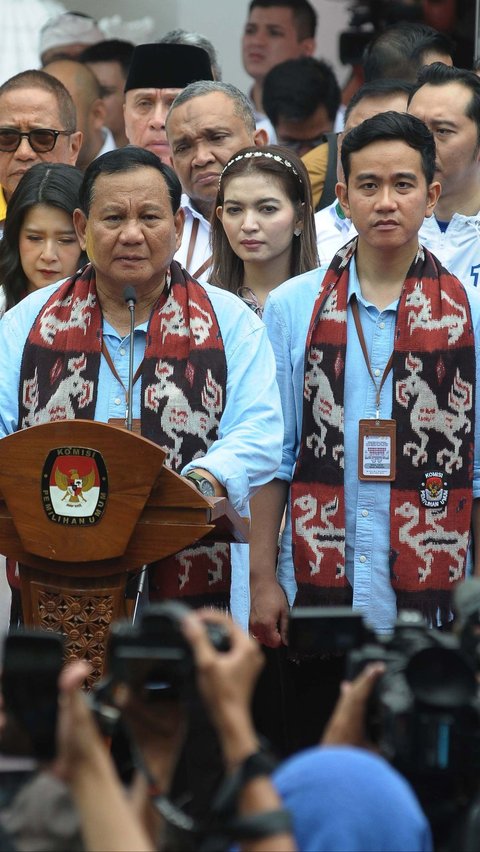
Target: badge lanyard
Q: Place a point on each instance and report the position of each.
(116, 421)
(191, 248)
(377, 437)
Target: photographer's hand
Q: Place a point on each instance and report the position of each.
(108, 821)
(226, 680)
(347, 722)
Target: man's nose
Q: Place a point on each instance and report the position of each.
(203, 154)
(25, 150)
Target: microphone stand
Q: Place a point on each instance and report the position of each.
(130, 296)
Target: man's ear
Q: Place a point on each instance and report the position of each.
(341, 192)
(99, 112)
(433, 194)
(260, 137)
(76, 140)
(307, 46)
(179, 219)
(80, 225)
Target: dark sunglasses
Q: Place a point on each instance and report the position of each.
(41, 141)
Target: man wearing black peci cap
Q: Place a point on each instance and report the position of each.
(158, 72)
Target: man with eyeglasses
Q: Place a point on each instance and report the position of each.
(37, 124)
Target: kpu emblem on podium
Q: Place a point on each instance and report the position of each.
(74, 486)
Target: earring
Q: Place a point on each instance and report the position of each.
(297, 232)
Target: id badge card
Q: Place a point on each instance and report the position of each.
(377, 441)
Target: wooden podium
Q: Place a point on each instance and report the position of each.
(81, 504)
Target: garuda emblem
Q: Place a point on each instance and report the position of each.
(74, 486)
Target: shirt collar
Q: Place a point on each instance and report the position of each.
(354, 289)
(187, 205)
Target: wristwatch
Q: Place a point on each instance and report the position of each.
(202, 483)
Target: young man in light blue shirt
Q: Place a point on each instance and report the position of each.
(385, 531)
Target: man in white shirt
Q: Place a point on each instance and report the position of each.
(275, 30)
(334, 228)
(448, 101)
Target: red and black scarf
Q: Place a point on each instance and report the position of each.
(434, 408)
(183, 394)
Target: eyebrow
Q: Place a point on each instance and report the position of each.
(374, 176)
(443, 121)
(38, 229)
(257, 201)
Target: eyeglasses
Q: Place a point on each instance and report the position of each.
(40, 140)
(302, 146)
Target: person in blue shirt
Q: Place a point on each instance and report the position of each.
(206, 388)
(370, 531)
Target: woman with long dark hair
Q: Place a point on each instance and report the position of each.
(39, 244)
(263, 230)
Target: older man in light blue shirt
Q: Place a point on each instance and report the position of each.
(131, 234)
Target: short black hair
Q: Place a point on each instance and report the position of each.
(391, 126)
(294, 89)
(399, 51)
(304, 14)
(125, 160)
(110, 50)
(378, 89)
(439, 74)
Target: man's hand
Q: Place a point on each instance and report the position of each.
(347, 723)
(226, 680)
(269, 612)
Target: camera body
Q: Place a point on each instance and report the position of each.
(424, 712)
(154, 654)
(32, 662)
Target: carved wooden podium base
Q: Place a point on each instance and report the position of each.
(81, 505)
(82, 612)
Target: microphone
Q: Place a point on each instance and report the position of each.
(130, 297)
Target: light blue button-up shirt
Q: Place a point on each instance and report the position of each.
(247, 451)
(367, 504)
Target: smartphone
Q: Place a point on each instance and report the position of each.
(32, 663)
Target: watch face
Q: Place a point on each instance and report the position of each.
(204, 485)
(206, 488)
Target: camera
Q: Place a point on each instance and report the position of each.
(32, 661)
(152, 657)
(424, 711)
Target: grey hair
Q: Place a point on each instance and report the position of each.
(242, 105)
(197, 40)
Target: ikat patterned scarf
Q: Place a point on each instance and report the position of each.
(183, 394)
(434, 408)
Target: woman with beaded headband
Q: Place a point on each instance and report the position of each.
(263, 230)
